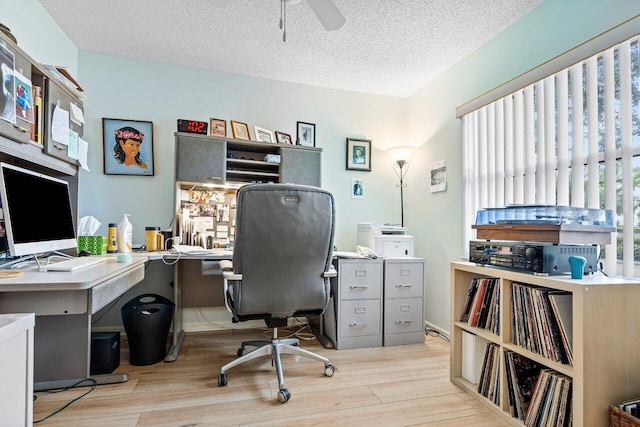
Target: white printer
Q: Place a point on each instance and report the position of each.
(386, 240)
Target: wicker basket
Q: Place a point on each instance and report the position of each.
(618, 418)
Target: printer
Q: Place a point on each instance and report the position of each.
(386, 240)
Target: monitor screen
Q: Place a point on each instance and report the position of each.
(38, 215)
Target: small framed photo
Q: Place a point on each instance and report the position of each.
(128, 147)
(357, 188)
(283, 138)
(306, 134)
(359, 154)
(264, 135)
(240, 130)
(218, 127)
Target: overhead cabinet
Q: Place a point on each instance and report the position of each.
(215, 160)
(26, 127)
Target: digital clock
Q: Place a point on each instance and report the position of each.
(193, 126)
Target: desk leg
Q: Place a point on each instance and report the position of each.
(178, 332)
(175, 348)
(81, 382)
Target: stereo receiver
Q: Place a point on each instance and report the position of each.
(538, 258)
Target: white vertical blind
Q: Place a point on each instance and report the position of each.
(624, 71)
(567, 140)
(608, 83)
(549, 141)
(577, 137)
(593, 182)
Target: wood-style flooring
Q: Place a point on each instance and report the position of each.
(383, 386)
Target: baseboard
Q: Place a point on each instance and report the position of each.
(199, 319)
(438, 329)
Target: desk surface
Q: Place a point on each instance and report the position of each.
(173, 256)
(85, 278)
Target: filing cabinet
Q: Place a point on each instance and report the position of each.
(357, 294)
(403, 301)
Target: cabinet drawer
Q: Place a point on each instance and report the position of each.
(403, 315)
(360, 280)
(404, 280)
(360, 318)
(17, 127)
(56, 97)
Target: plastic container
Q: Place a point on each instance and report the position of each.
(125, 235)
(112, 245)
(147, 320)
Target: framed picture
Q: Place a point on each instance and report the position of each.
(283, 138)
(218, 127)
(128, 147)
(357, 188)
(240, 130)
(359, 154)
(306, 134)
(264, 135)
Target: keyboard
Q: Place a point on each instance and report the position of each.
(74, 264)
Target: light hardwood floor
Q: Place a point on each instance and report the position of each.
(383, 386)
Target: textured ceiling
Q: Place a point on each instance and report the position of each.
(387, 47)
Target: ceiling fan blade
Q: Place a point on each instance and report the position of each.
(328, 14)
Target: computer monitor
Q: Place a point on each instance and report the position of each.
(38, 215)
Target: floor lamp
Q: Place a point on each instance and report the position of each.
(400, 157)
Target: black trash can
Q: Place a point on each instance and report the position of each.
(147, 320)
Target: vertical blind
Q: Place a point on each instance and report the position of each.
(569, 139)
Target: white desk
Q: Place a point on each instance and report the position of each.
(63, 303)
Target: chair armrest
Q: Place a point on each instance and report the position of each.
(331, 273)
(225, 265)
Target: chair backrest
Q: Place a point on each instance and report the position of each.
(283, 245)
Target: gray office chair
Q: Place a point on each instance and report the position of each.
(281, 267)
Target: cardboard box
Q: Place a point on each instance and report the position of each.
(96, 245)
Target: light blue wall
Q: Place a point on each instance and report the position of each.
(118, 87)
(38, 34)
(436, 218)
(127, 88)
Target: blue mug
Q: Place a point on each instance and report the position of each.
(577, 264)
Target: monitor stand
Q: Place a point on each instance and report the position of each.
(35, 257)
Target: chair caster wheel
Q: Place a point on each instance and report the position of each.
(284, 395)
(329, 370)
(222, 380)
(241, 352)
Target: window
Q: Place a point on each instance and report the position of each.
(570, 139)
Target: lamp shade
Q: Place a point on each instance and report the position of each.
(400, 153)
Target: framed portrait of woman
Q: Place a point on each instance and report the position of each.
(128, 147)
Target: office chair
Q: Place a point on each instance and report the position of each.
(281, 267)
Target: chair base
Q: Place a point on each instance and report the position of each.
(274, 348)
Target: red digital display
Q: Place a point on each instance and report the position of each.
(193, 126)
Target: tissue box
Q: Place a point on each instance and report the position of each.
(96, 245)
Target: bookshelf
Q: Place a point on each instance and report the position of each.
(604, 316)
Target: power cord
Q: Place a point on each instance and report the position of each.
(57, 411)
(435, 333)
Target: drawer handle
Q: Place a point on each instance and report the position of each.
(21, 129)
(358, 287)
(358, 325)
(58, 147)
(399, 322)
(215, 178)
(400, 285)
